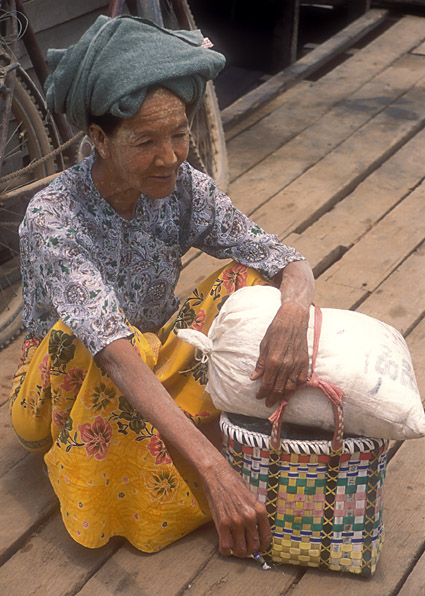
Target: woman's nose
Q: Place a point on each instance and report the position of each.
(166, 155)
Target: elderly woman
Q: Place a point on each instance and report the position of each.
(106, 389)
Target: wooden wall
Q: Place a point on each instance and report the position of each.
(59, 23)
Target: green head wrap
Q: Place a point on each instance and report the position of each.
(117, 60)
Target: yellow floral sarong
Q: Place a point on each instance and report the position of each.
(109, 467)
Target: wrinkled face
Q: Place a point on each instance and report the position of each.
(146, 150)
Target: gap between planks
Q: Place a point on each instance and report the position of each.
(329, 179)
(303, 67)
(331, 236)
(364, 267)
(304, 106)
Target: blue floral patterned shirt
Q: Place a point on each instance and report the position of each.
(82, 262)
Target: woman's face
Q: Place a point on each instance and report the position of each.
(144, 153)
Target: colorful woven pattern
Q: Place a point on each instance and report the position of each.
(324, 506)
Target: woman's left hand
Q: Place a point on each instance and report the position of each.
(283, 362)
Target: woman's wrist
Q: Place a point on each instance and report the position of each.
(297, 284)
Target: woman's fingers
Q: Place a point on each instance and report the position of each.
(283, 361)
(286, 381)
(225, 541)
(249, 532)
(281, 377)
(263, 527)
(240, 519)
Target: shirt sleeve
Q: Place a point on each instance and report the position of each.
(219, 229)
(71, 283)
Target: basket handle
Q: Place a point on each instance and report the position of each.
(332, 392)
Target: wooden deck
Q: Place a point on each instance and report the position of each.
(335, 167)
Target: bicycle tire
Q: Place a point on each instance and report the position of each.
(32, 136)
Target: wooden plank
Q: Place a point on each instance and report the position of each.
(388, 98)
(304, 108)
(165, 573)
(396, 176)
(399, 300)
(415, 583)
(10, 357)
(360, 271)
(334, 177)
(27, 499)
(415, 341)
(336, 231)
(51, 563)
(239, 577)
(267, 109)
(404, 520)
(302, 68)
(45, 14)
(11, 451)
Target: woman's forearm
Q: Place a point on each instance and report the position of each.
(240, 519)
(149, 398)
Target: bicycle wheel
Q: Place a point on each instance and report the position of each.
(208, 146)
(30, 137)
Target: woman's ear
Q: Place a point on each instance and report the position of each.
(99, 140)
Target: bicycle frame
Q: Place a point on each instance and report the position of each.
(7, 82)
(17, 16)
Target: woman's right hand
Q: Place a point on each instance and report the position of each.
(240, 519)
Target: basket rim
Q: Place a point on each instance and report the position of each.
(322, 447)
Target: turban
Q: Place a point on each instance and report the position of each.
(113, 65)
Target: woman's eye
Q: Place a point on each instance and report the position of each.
(144, 143)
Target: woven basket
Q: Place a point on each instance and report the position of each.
(325, 507)
(324, 498)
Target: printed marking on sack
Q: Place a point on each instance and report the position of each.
(386, 366)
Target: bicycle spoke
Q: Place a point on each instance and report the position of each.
(13, 153)
(5, 242)
(7, 245)
(7, 211)
(17, 149)
(13, 133)
(6, 278)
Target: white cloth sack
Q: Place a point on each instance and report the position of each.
(369, 360)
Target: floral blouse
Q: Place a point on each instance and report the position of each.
(82, 262)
